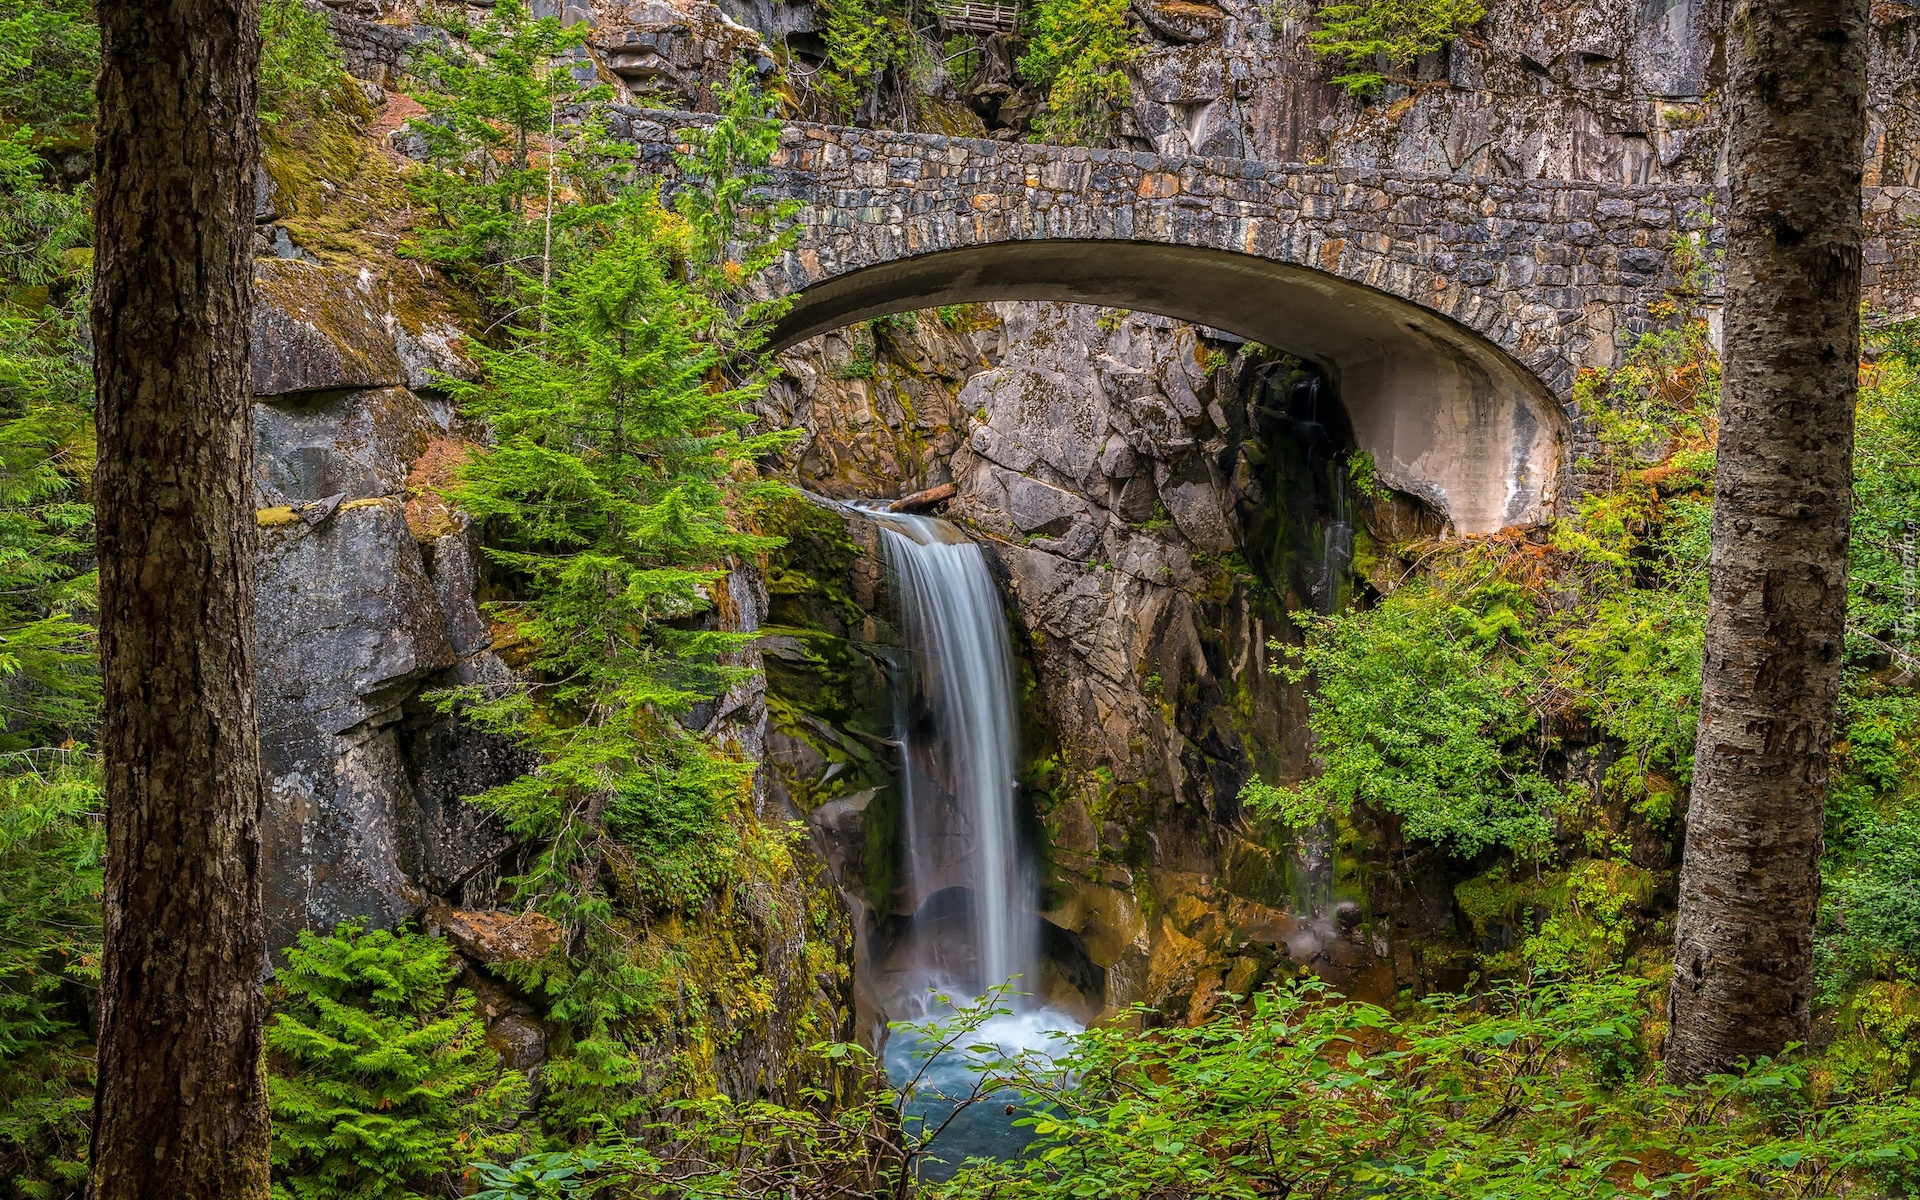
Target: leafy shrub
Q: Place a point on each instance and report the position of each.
(1369, 38)
(1877, 1044)
(382, 1083)
(1883, 612)
(542, 1177)
(1438, 704)
(1872, 900)
(1422, 709)
(1589, 921)
(1542, 1092)
(868, 1139)
(1522, 1094)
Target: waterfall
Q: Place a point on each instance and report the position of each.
(961, 826)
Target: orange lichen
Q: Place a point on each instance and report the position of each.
(429, 478)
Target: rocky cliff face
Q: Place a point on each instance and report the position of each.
(372, 593)
(1613, 91)
(1156, 500)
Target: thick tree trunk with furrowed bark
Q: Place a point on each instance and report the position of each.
(1750, 879)
(180, 1109)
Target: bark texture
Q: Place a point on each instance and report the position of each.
(180, 1109)
(1750, 879)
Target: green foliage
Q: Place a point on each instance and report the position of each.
(500, 159)
(1899, 340)
(1423, 709)
(1078, 51)
(612, 492)
(1373, 40)
(48, 686)
(872, 1142)
(1521, 1094)
(1659, 403)
(867, 40)
(1883, 555)
(617, 493)
(1439, 703)
(382, 1082)
(50, 834)
(1542, 1092)
(1590, 918)
(48, 52)
(1877, 1047)
(1870, 918)
(1363, 474)
(50, 867)
(1871, 902)
(300, 69)
(543, 1177)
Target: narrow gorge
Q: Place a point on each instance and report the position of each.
(793, 530)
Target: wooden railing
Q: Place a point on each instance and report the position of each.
(972, 16)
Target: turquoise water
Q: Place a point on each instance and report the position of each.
(982, 1122)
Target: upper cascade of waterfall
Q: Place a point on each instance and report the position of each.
(960, 740)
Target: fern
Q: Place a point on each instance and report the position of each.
(382, 1081)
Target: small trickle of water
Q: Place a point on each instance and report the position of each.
(1336, 554)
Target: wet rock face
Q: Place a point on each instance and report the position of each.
(1154, 500)
(880, 406)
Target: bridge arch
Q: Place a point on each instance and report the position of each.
(1454, 313)
(1446, 415)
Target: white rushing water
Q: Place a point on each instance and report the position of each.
(962, 830)
(957, 634)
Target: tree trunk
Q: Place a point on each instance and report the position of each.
(1750, 878)
(180, 1108)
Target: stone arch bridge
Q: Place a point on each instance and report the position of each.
(1453, 314)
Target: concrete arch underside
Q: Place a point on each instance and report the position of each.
(1447, 415)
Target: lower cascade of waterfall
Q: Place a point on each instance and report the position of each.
(966, 869)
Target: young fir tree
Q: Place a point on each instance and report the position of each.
(514, 152)
(615, 495)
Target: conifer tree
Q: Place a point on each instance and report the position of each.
(514, 146)
(182, 1114)
(617, 493)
